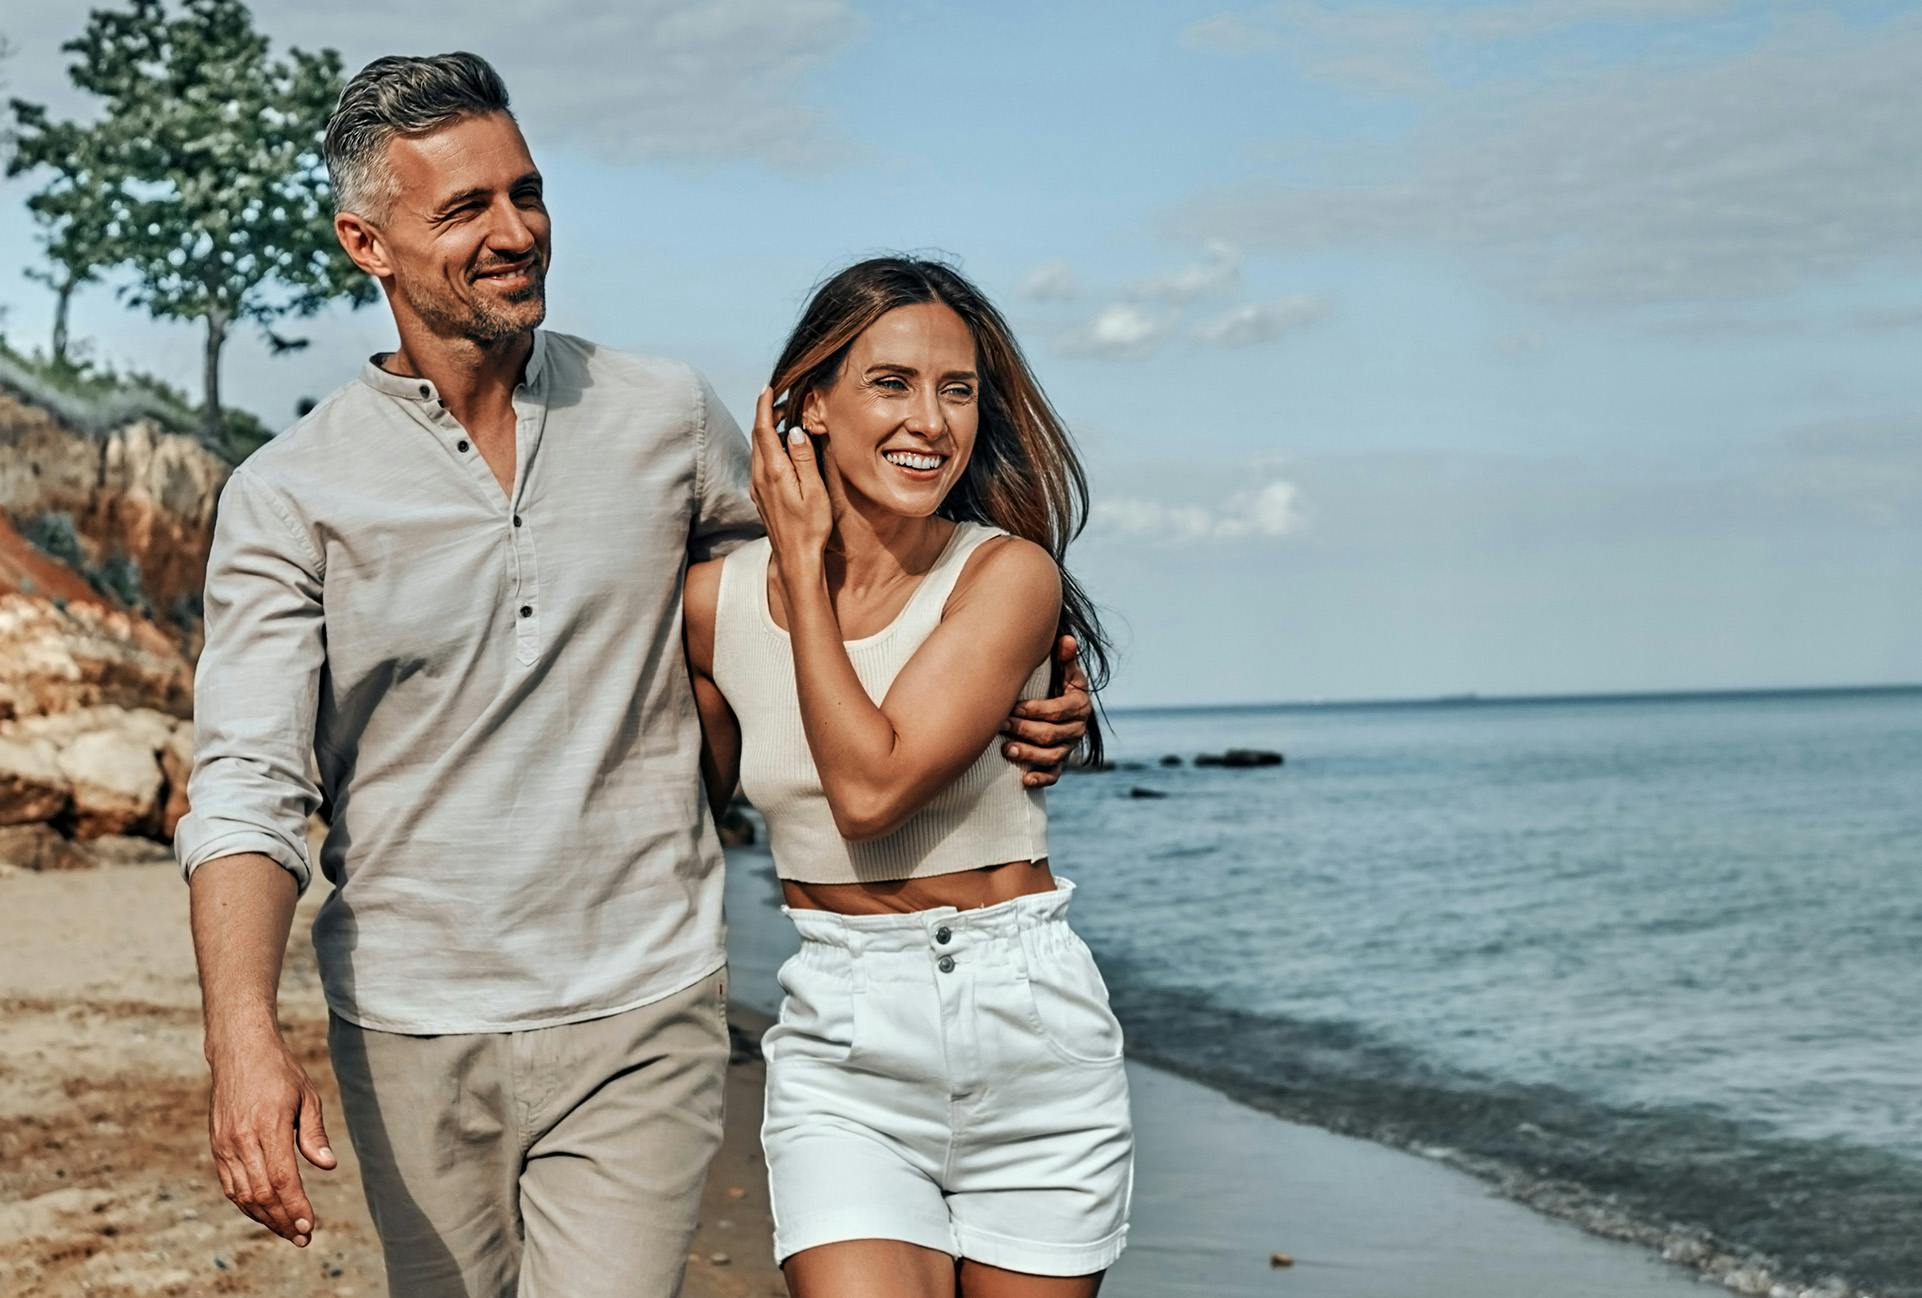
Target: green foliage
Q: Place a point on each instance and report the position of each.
(53, 533)
(203, 175)
(117, 577)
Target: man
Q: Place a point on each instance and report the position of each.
(456, 584)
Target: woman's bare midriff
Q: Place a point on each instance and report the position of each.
(964, 890)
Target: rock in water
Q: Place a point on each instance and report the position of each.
(736, 829)
(1138, 792)
(1171, 759)
(1240, 758)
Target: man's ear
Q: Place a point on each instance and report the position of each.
(362, 244)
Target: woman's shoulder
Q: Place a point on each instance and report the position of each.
(1005, 566)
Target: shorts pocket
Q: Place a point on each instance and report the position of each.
(1069, 1004)
(818, 1011)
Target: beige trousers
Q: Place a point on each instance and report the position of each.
(562, 1162)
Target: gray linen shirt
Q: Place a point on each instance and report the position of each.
(492, 689)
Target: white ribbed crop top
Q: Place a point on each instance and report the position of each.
(985, 817)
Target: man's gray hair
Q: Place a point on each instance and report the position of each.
(400, 95)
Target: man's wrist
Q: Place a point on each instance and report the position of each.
(240, 1031)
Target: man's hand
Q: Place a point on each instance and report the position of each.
(1044, 731)
(263, 1108)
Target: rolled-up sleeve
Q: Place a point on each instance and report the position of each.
(724, 516)
(256, 686)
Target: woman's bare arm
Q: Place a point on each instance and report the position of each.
(881, 764)
(720, 731)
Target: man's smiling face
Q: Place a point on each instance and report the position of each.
(467, 234)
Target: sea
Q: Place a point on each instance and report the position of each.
(1652, 964)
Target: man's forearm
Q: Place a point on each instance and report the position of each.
(243, 908)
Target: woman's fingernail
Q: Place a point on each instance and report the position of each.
(795, 436)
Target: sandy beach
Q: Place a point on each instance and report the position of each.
(105, 1183)
(105, 1186)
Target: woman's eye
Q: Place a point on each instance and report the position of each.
(961, 394)
(891, 384)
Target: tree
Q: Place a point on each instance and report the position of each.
(74, 211)
(208, 169)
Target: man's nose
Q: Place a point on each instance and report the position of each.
(509, 232)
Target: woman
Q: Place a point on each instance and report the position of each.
(946, 1105)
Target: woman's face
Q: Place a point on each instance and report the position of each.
(901, 417)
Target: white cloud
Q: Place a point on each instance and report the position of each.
(615, 79)
(1052, 282)
(1652, 181)
(1259, 322)
(1271, 510)
(1119, 331)
(1216, 274)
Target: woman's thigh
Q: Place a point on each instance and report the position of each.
(870, 1268)
(978, 1280)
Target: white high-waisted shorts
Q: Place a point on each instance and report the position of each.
(953, 1079)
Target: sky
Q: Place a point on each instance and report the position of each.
(1412, 349)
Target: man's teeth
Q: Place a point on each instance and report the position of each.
(909, 460)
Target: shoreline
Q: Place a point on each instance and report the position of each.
(106, 1187)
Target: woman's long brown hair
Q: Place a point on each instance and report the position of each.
(1023, 477)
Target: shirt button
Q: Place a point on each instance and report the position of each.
(527, 610)
(944, 935)
(517, 520)
(425, 390)
(461, 446)
(945, 964)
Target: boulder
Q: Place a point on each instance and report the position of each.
(125, 849)
(1171, 760)
(57, 656)
(40, 847)
(176, 763)
(32, 789)
(116, 783)
(1138, 792)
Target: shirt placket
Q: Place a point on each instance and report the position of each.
(530, 419)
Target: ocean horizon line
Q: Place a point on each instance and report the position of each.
(1472, 699)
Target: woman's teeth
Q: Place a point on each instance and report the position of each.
(909, 460)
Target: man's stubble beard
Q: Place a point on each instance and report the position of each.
(478, 320)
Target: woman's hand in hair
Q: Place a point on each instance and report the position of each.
(788, 490)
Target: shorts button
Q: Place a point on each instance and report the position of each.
(946, 964)
(944, 935)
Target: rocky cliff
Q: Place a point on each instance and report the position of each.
(104, 534)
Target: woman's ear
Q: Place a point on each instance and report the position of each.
(814, 413)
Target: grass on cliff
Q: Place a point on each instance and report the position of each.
(96, 399)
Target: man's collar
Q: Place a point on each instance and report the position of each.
(406, 388)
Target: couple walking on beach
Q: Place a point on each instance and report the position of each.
(520, 598)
